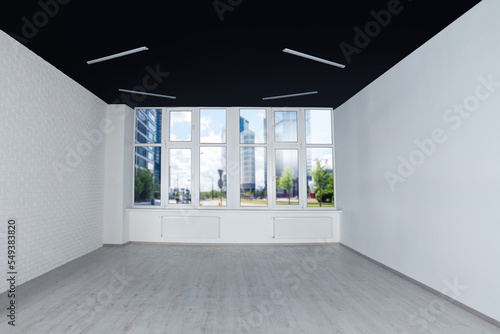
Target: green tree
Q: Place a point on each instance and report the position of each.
(329, 189)
(285, 182)
(321, 179)
(143, 185)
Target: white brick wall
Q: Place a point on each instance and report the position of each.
(43, 113)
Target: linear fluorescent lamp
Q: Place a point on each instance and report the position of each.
(150, 94)
(121, 54)
(290, 95)
(321, 60)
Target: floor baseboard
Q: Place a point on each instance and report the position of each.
(116, 245)
(429, 289)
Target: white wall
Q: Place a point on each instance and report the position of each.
(58, 204)
(249, 226)
(119, 174)
(442, 224)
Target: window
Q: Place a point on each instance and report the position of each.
(318, 126)
(213, 176)
(234, 158)
(253, 126)
(319, 158)
(319, 177)
(180, 126)
(212, 126)
(253, 157)
(180, 176)
(147, 161)
(253, 176)
(285, 125)
(287, 177)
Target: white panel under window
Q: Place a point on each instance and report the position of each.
(190, 227)
(303, 228)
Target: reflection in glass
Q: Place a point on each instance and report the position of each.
(285, 126)
(179, 189)
(320, 177)
(148, 129)
(213, 177)
(287, 180)
(253, 126)
(318, 126)
(147, 179)
(212, 126)
(180, 126)
(253, 183)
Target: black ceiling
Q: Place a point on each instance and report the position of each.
(231, 62)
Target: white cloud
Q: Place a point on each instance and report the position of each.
(179, 117)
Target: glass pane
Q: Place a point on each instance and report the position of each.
(141, 139)
(147, 176)
(320, 177)
(212, 126)
(141, 128)
(179, 189)
(213, 176)
(151, 117)
(180, 126)
(287, 180)
(253, 126)
(285, 126)
(142, 115)
(253, 173)
(318, 126)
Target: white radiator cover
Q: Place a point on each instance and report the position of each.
(233, 226)
(303, 228)
(190, 227)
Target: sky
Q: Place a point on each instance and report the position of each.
(212, 130)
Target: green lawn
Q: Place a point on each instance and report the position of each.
(314, 203)
(310, 203)
(256, 202)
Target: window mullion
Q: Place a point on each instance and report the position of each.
(164, 158)
(301, 122)
(233, 159)
(195, 193)
(271, 163)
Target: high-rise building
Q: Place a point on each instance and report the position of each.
(247, 168)
(148, 131)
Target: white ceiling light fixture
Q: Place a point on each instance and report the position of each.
(321, 60)
(289, 95)
(121, 54)
(149, 94)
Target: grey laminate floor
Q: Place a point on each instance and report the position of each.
(231, 289)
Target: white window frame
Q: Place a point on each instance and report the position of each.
(332, 146)
(233, 159)
(135, 145)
